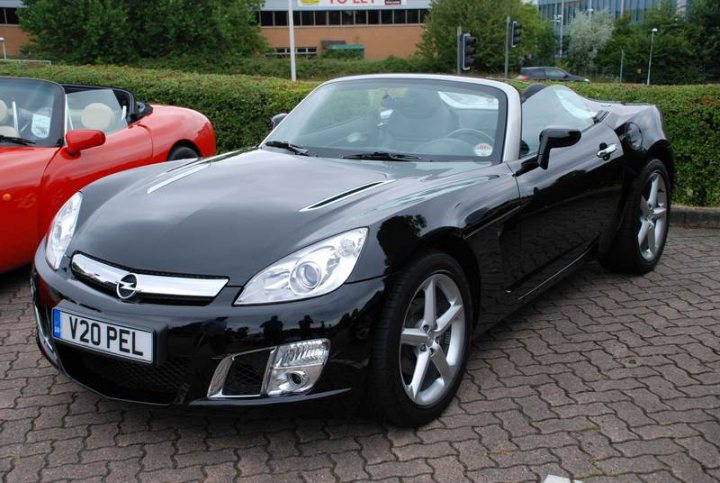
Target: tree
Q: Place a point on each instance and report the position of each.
(120, 31)
(705, 15)
(92, 31)
(589, 32)
(486, 20)
(679, 51)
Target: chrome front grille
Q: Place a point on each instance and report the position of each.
(145, 286)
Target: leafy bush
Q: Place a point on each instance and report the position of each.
(685, 48)
(120, 31)
(240, 106)
(319, 68)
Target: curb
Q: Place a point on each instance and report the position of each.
(694, 217)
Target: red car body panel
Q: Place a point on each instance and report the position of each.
(36, 181)
(21, 174)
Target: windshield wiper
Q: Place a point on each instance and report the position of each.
(383, 156)
(293, 148)
(16, 140)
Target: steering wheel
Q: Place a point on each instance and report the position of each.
(471, 136)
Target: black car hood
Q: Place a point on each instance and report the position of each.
(233, 216)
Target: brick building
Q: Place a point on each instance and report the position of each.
(382, 27)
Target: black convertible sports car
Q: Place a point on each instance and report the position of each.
(381, 224)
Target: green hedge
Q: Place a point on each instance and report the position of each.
(315, 68)
(240, 106)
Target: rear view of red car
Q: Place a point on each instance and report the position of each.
(56, 139)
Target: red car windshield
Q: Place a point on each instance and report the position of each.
(31, 112)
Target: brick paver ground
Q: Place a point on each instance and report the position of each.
(605, 376)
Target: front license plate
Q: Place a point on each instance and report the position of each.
(102, 336)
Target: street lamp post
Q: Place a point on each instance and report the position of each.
(652, 41)
(2, 41)
(562, 22)
(291, 28)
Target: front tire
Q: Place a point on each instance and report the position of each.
(422, 341)
(182, 152)
(640, 242)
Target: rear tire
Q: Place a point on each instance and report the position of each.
(640, 241)
(421, 343)
(182, 152)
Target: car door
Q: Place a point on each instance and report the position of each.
(126, 146)
(566, 207)
(553, 73)
(21, 170)
(32, 110)
(537, 73)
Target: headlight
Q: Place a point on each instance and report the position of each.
(312, 271)
(62, 230)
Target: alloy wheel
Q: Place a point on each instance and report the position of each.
(432, 340)
(653, 216)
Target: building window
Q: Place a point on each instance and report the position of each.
(413, 16)
(8, 16)
(307, 18)
(373, 17)
(348, 17)
(299, 51)
(281, 19)
(266, 19)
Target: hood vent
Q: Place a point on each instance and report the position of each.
(345, 194)
(182, 174)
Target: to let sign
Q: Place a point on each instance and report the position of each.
(354, 4)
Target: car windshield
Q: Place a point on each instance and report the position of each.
(397, 120)
(31, 112)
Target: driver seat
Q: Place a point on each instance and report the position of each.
(418, 117)
(98, 117)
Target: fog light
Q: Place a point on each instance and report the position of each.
(43, 337)
(296, 367)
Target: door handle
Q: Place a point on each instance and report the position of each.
(606, 151)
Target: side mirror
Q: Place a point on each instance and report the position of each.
(83, 139)
(555, 137)
(277, 119)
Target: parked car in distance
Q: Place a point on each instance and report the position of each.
(381, 225)
(55, 139)
(549, 73)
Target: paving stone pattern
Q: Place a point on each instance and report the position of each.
(605, 378)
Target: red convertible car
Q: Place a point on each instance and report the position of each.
(55, 139)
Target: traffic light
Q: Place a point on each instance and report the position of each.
(467, 51)
(515, 33)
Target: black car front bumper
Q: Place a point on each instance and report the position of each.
(191, 340)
